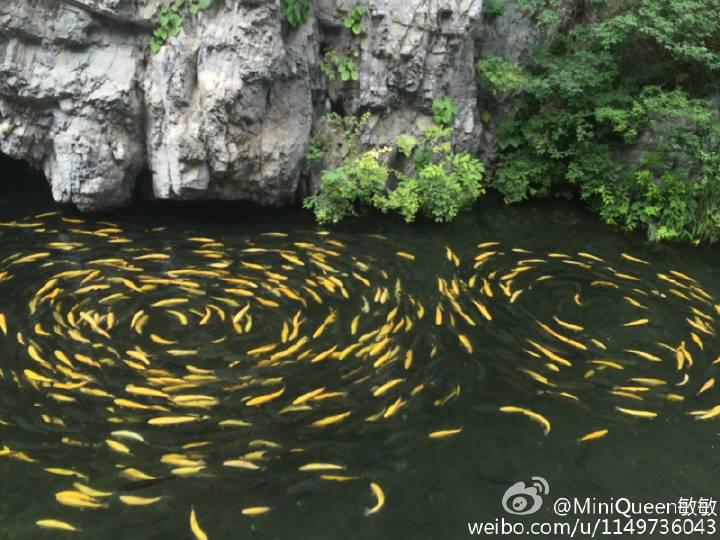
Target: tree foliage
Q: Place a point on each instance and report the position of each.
(620, 112)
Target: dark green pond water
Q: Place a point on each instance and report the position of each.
(133, 339)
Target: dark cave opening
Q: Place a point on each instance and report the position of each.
(20, 182)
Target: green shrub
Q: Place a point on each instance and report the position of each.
(590, 97)
(361, 179)
(439, 185)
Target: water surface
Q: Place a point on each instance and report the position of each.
(213, 309)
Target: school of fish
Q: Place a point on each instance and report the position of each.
(198, 361)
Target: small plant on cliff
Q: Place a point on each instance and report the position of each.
(444, 111)
(336, 137)
(493, 8)
(295, 12)
(354, 20)
(340, 65)
(501, 75)
(169, 19)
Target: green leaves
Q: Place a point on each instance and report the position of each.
(337, 65)
(405, 144)
(590, 104)
(362, 179)
(170, 17)
(448, 186)
(336, 137)
(354, 20)
(296, 12)
(340, 65)
(444, 111)
(493, 8)
(439, 185)
(502, 76)
(196, 6)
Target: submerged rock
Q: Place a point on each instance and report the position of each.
(226, 109)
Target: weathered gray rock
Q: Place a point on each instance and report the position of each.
(229, 108)
(409, 53)
(226, 109)
(69, 99)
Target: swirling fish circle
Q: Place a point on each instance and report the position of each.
(200, 358)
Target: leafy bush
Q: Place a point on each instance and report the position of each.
(362, 179)
(296, 12)
(638, 75)
(439, 184)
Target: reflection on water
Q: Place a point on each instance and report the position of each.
(373, 381)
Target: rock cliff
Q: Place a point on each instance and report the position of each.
(225, 110)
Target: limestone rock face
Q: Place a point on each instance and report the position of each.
(226, 109)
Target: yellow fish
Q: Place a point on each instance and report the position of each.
(646, 356)
(240, 464)
(136, 474)
(254, 510)
(161, 341)
(633, 259)
(260, 400)
(65, 472)
(132, 500)
(172, 420)
(195, 526)
(540, 419)
(465, 343)
(379, 498)
(636, 412)
(321, 467)
(593, 435)
(562, 338)
(82, 488)
(55, 524)
(569, 326)
(118, 447)
(331, 419)
(638, 322)
(380, 390)
(707, 386)
(76, 499)
(444, 433)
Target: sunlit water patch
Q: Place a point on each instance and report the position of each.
(145, 372)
